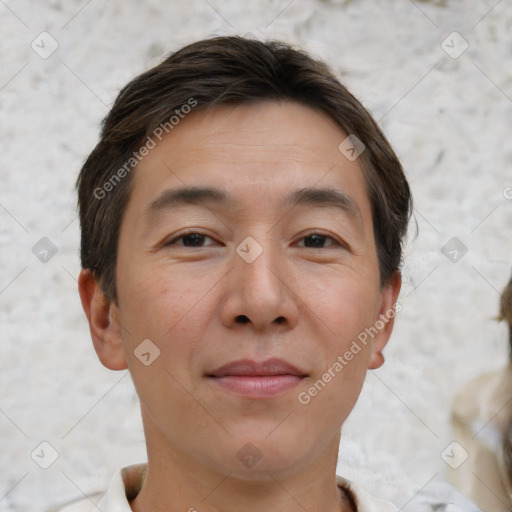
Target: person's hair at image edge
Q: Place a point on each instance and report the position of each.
(231, 71)
(505, 313)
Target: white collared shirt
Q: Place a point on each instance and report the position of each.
(127, 481)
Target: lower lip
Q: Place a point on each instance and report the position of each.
(261, 386)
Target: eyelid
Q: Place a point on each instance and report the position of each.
(337, 241)
(173, 240)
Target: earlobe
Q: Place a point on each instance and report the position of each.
(104, 327)
(385, 320)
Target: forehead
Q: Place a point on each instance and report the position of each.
(266, 130)
(270, 147)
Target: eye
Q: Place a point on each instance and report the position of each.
(317, 241)
(191, 240)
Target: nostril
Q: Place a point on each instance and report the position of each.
(243, 319)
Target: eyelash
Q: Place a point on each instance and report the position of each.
(174, 241)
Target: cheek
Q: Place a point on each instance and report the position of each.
(346, 308)
(345, 304)
(152, 302)
(171, 311)
(153, 309)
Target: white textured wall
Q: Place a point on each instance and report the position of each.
(449, 119)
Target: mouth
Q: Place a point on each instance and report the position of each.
(258, 380)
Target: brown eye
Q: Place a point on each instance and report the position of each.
(317, 241)
(191, 240)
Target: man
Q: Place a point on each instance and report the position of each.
(242, 218)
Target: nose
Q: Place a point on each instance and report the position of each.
(260, 294)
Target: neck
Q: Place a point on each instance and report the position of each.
(175, 483)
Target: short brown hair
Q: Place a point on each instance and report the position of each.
(228, 70)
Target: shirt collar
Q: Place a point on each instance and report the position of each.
(127, 482)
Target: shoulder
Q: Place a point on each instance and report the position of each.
(81, 505)
(124, 485)
(440, 497)
(363, 500)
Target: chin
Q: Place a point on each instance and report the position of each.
(263, 457)
(268, 468)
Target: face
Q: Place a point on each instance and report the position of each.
(247, 258)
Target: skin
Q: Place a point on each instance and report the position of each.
(304, 299)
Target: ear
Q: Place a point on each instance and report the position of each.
(102, 316)
(385, 319)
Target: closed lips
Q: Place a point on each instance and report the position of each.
(249, 368)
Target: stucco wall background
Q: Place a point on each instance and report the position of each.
(448, 115)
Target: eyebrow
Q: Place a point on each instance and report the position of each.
(326, 197)
(307, 196)
(187, 195)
